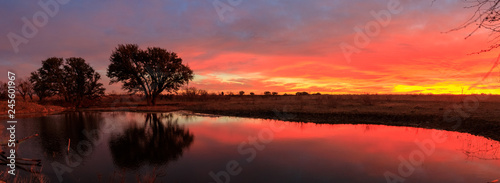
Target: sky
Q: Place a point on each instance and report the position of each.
(327, 46)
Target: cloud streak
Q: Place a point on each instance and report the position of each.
(274, 45)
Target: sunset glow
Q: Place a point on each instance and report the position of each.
(265, 45)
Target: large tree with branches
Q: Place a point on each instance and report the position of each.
(75, 81)
(486, 16)
(81, 81)
(151, 71)
(48, 80)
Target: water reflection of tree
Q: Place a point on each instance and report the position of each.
(475, 147)
(55, 131)
(159, 140)
(51, 133)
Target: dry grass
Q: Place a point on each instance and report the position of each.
(29, 109)
(392, 104)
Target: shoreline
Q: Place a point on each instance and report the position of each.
(420, 111)
(487, 129)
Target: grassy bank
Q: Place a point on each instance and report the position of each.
(426, 111)
(25, 109)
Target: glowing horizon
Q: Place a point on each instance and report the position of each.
(261, 45)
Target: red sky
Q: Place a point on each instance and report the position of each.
(283, 46)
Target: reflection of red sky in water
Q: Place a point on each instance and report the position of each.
(372, 149)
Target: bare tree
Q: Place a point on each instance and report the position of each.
(486, 16)
(25, 88)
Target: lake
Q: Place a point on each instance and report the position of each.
(185, 147)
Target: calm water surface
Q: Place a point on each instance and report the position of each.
(181, 147)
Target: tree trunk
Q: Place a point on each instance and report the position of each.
(153, 99)
(78, 102)
(148, 99)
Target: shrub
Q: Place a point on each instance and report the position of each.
(202, 92)
(190, 91)
(302, 93)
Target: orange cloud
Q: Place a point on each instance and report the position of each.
(284, 47)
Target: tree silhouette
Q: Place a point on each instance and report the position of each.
(486, 16)
(25, 87)
(81, 81)
(47, 80)
(150, 71)
(159, 141)
(75, 80)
